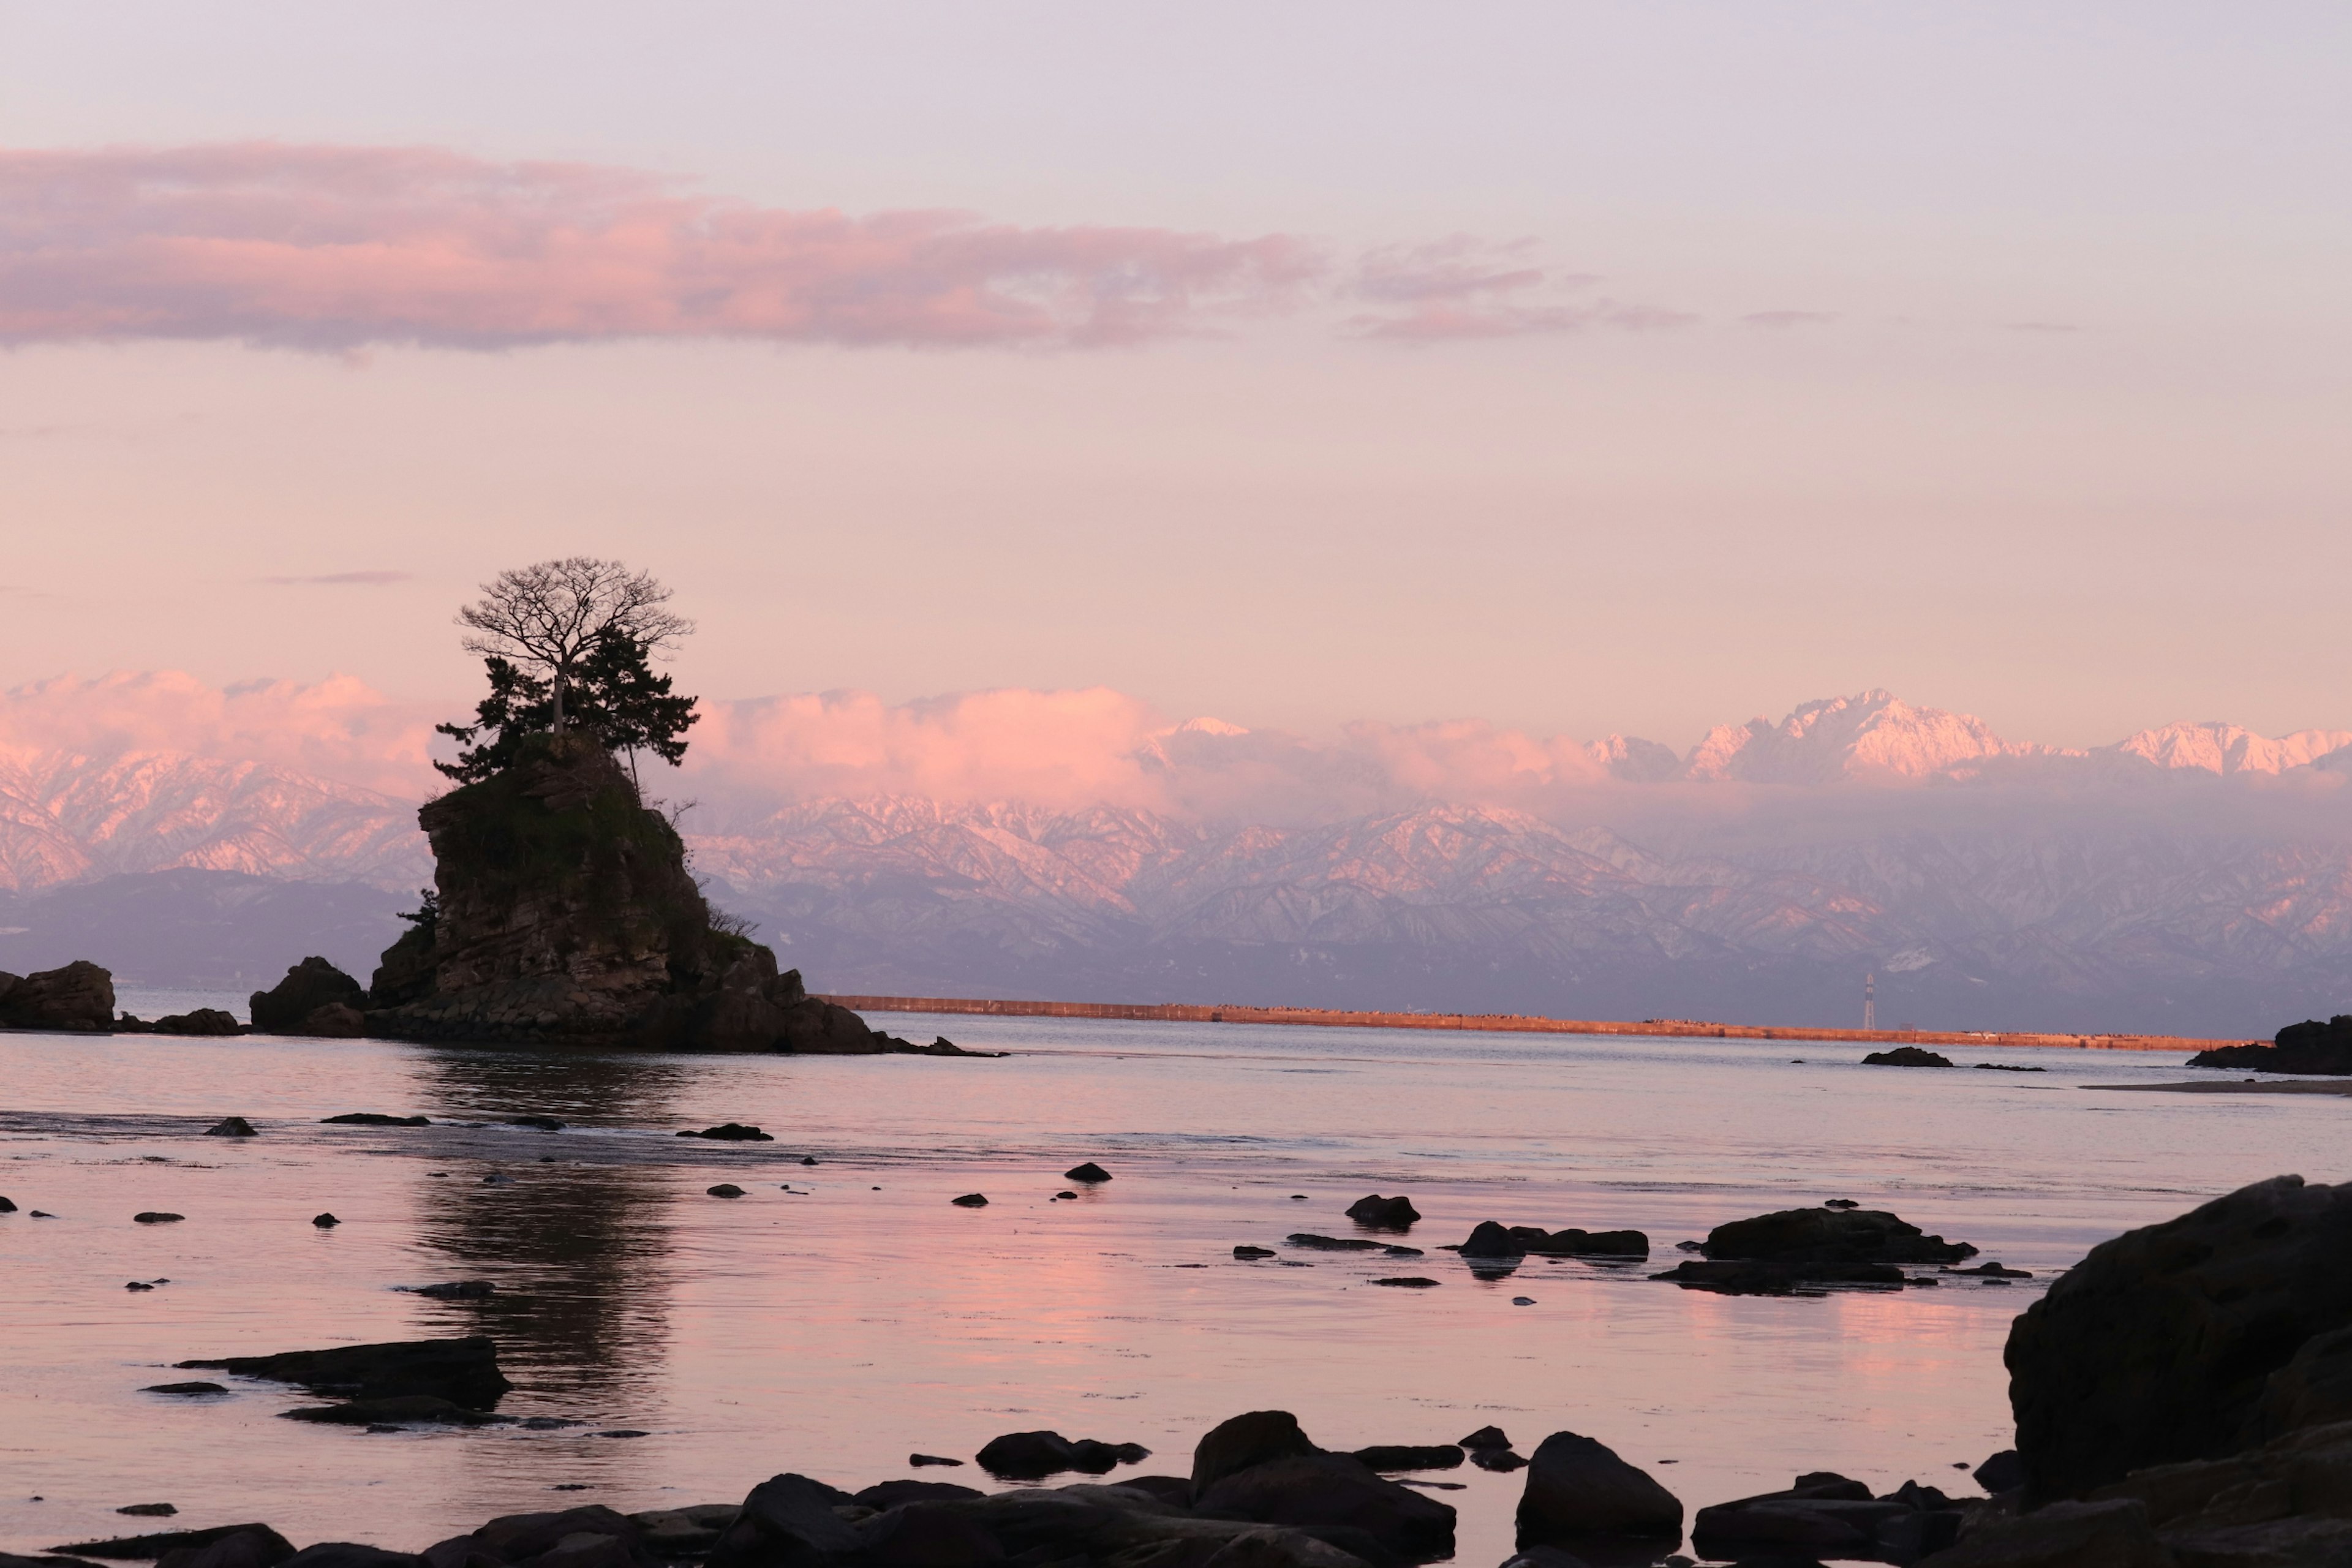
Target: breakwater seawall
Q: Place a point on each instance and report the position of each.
(1510, 1023)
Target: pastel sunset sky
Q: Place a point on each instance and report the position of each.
(1577, 367)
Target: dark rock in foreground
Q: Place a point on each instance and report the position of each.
(1087, 1173)
(77, 999)
(310, 988)
(462, 1371)
(375, 1119)
(231, 1127)
(731, 1132)
(1384, 1214)
(1825, 1515)
(1906, 1056)
(2186, 1341)
(1033, 1455)
(186, 1390)
(2089, 1534)
(2321, 1049)
(1578, 1489)
(1238, 1442)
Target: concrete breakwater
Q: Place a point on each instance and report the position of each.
(1505, 1023)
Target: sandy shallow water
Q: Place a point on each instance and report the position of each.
(843, 1314)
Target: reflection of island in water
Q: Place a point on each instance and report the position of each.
(579, 1252)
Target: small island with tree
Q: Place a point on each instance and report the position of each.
(563, 912)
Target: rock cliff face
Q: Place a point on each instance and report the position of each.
(566, 913)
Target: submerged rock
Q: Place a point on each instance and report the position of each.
(230, 1127)
(404, 1409)
(1740, 1276)
(184, 1389)
(463, 1370)
(375, 1119)
(971, 1201)
(1314, 1243)
(731, 1132)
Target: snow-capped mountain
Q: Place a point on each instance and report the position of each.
(70, 817)
(2180, 878)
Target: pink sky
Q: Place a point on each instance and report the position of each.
(1597, 369)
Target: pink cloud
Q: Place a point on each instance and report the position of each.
(1468, 288)
(337, 729)
(1787, 318)
(336, 248)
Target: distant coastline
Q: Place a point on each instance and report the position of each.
(1512, 1022)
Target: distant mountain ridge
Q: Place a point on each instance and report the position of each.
(1755, 878)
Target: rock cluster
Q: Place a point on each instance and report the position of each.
(2311, 1046)
(1906, 1056)
(1826, 1515)
(79, 997)
(1491, 1238)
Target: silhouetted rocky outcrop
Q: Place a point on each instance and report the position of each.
(2187, 1340)
(79, 997)
(315, 998)
(564, 913)
(2310, 1046)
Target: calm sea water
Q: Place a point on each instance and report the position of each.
(844, 1314)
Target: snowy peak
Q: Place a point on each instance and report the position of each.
(2215, 747)
(1873, 736)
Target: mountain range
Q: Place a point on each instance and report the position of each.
(2194, 878)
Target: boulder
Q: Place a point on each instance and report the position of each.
(971, 1201)
(1384, 1214)
(590, 1537)
(2162, 1344)
(375, 1119)
(462, 1371)
(2312, 1389)
(788, 1522)
(2312, 1047)
(2114, 1534)
(1089, 1173)
(1578, 1489)
(1906, 1056)
(184, 1389)
(725, 1190)
(1304, 1490)
(1487, 1438)
(1241, 1441)
(2002, 1472)
(731, 1132)
(1827, 1515)
(255, 1546)
(312, 985)
(78, 998)
(333, 1021)
(1828, 1235)
(1314, 1243)
(231, 1127)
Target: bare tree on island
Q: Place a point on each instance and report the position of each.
(566, 646)
(554, 616)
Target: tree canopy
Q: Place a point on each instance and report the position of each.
(548, 619)
(545, 677)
